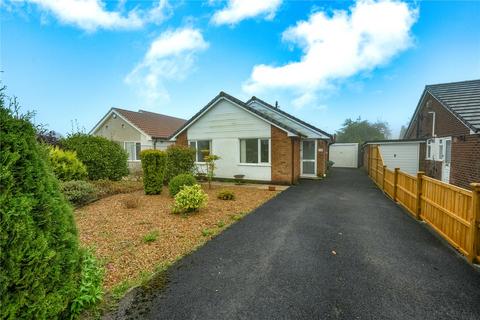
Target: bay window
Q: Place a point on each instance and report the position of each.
(203, 148)
(133, 149)
(254, 150)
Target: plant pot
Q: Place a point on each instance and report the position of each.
(239, 178)
(272, 188)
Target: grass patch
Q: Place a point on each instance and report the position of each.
(151, 236)
(207, 232)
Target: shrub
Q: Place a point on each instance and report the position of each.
(66, 165)
(104, 159)
(153, 165)
(226, 195)
(90, 290)
(39, 254)
(79, 192)
(189, 199)
(131, 202)
(178, 182)
(180, 160)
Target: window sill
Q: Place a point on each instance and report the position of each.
(254, 164)
(134, 160)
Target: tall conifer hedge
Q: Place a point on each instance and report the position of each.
(39, 254)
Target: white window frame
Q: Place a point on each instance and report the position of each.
(135, 155)
(196, 146)
(259, 152)
(441, 149)
(430, 149)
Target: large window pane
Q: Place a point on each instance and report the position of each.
(264, 151)
(249, 151)
(130, 148)
(138, 149)
(308, 167)
(308, 150)
(203, 150)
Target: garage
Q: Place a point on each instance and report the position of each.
(344, 155)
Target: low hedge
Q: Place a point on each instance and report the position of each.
(180, 160)
(153, 165)
(79, 192)
(178, 182)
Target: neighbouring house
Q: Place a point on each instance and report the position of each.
(255, 139)
(443, 134)
(137, 131)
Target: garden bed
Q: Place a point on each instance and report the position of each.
(134, 242)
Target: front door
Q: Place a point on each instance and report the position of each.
(308, 158)
(446, 160)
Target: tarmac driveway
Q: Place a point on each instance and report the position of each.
(331, 249)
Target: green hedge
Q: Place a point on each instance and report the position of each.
(66, 165)
(179, 181)
(180, 160)
(79, 192)
(153, 165)
(39, 254)
(105, 159)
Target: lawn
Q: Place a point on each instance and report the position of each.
(134, 234)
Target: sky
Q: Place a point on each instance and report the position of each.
(323, 61)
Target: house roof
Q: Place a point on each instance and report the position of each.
(393, 141)
(305, 128)
(153, 124)
(462, 99)
(240, 103)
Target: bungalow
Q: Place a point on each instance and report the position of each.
(137, 131)
(256, 139)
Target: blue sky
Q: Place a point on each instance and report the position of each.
(324, 61)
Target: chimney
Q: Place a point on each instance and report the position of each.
(276, 104)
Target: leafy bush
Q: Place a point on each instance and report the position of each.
(189, 199)
(104, 159)
(66, 165)
(179, 181)
(39, 254)
(79, 192)
(153, 165)
(180, 159)
(226, 195)
(90, 290)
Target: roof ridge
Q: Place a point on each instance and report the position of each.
(292, 117)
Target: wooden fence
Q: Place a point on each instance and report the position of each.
(451, 211)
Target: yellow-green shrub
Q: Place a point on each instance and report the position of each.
(190, 199)
(66, 165)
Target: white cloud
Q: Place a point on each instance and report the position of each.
(91, 15)
(171, 56)
(238, 10)
(337, 47)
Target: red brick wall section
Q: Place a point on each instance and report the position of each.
(282, 147)
(182, 139)
(465, 163)
(296, 159)
(446, 124)
(322, 157)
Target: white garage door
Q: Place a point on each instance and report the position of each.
(344, 155)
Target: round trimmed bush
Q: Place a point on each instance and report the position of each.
(226, 195)
(180, 160)
(178, 182)
(104, 159)
(39, 254)
(190, 199)
(66, 165)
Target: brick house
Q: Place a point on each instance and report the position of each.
(136, 131)
(448, 118)
(255, 139)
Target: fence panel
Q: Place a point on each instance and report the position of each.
(448, 210)
(388, 183)
(406, 191)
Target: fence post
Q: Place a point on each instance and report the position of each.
(418, 211)
(376, 166)
(475, 218)
(383, 180)
(395, 181)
